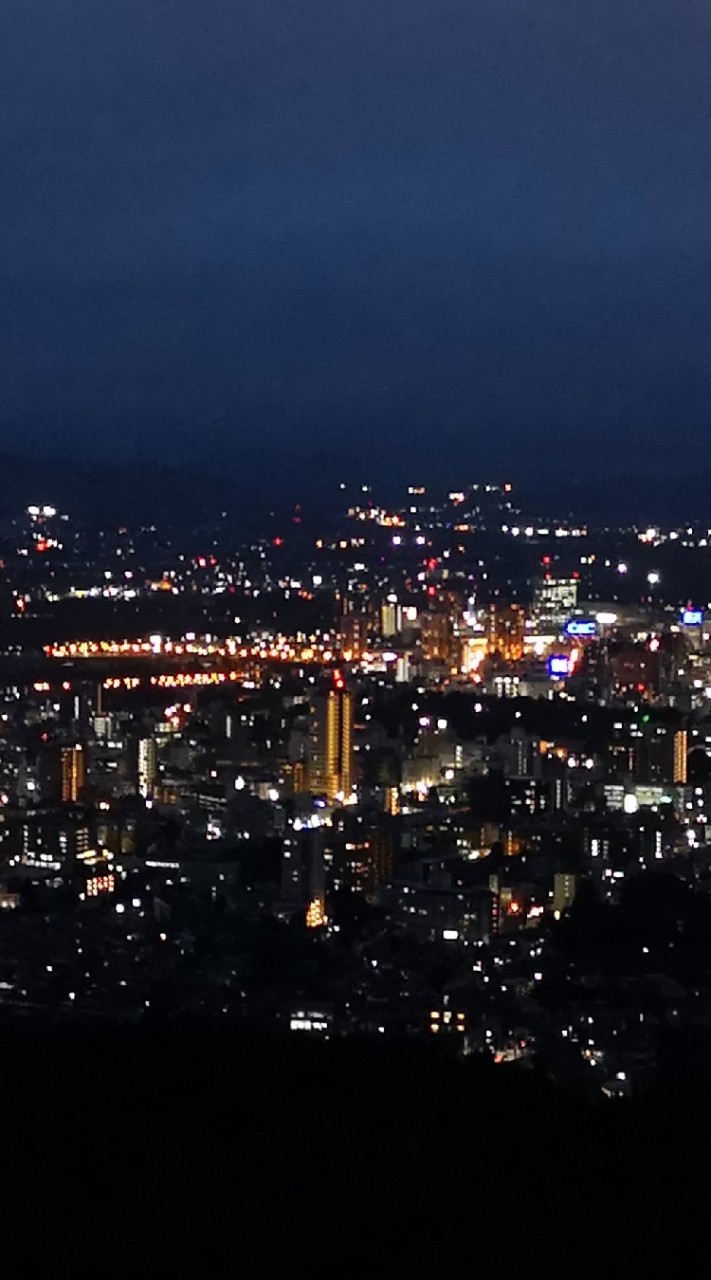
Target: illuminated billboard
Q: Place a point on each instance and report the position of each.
(692, 618)
(583, 627)
(559, 666)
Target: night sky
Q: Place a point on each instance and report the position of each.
(474, 230)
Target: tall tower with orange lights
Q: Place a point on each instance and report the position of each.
(681, 744)
(73, 773)
(331, 742)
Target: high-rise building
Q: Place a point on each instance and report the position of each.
(680, 755)
(554, 599)
(353, 630)
(147, 768)
(300, 777)
(381, 854)
(506, 630)
(390, 619)
(303, 877)
(521, 755)
(331, 743)
(564, 890)
(73, 773)
(102, 727)
(73, 839)
(437, 636)
(391, 800)
(402, 669)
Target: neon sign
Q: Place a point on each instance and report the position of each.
(581, 627)
(559, 665)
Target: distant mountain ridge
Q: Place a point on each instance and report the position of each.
(249, 486)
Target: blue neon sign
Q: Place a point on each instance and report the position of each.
(559, 665)
(581, 627)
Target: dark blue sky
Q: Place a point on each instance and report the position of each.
(474, 230)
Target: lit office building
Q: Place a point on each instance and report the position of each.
(331, 743)
(680, 756)
(554, 599)
(147, 767)
(73, 773)
(437, 637)
(507, 625)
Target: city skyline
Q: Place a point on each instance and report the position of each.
(355, 632)
(417, 793)
(444, 734)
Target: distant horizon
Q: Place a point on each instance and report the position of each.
(186, 488)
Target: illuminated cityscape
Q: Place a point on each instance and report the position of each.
(355, 635)
(481, 729)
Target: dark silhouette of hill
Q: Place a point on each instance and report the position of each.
(621, 497)
(135, 492)
(190, 1144)
(258, 480)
